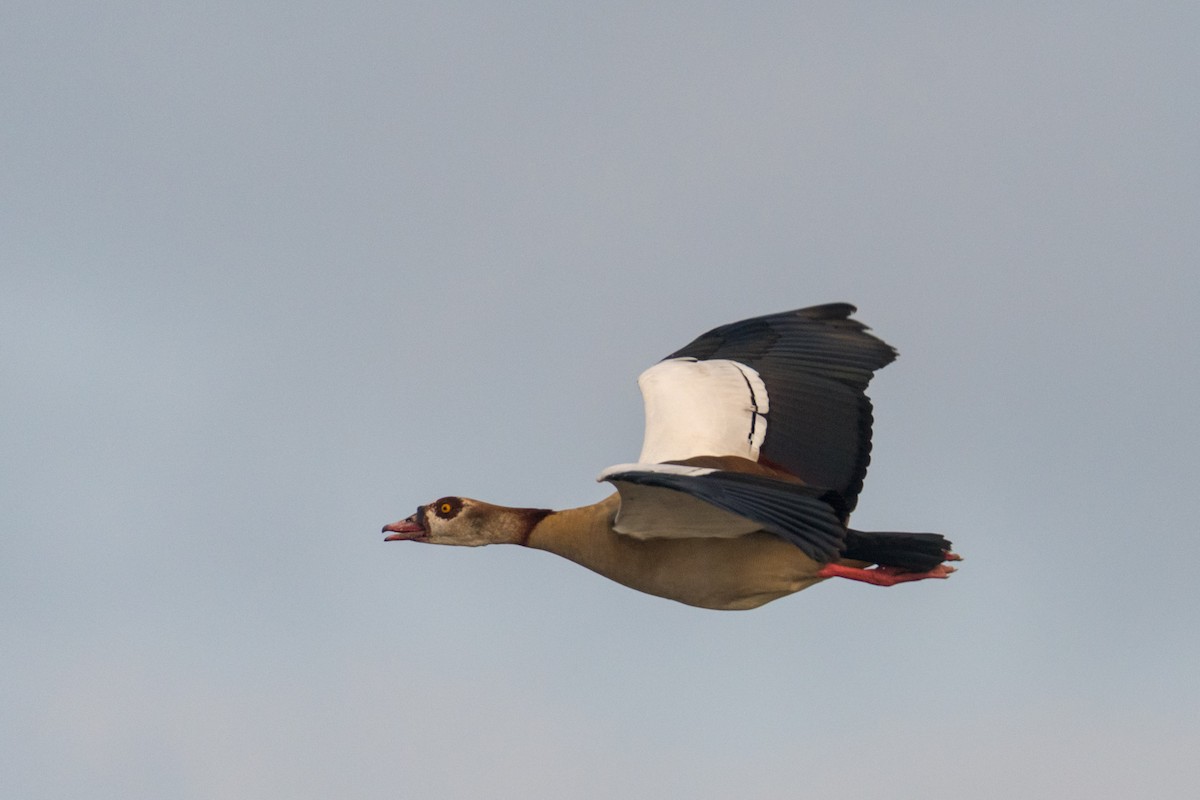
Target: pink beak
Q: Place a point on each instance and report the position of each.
(404, 530)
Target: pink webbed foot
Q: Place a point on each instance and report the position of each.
(887, 576)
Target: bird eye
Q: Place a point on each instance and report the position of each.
(447, 507)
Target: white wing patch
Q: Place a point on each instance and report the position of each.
(702, 408)
(652, 512)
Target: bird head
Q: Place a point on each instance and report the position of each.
(465, 522)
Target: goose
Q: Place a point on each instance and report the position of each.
(757, 440)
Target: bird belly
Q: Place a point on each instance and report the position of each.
(727, 574)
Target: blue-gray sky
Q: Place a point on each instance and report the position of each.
(272, 275)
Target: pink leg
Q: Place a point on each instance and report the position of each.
(887, 576)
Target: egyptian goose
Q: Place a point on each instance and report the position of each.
(758, 436)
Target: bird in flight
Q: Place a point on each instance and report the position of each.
(758, 437)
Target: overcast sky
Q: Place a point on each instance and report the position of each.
(273, 274)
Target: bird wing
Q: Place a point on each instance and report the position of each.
(786, 390)
(684, 501)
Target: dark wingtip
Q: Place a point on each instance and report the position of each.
(828, 311)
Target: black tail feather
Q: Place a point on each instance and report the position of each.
(918, 552)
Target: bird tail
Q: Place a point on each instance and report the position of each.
(918, 552)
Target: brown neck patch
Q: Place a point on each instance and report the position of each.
(526, 520)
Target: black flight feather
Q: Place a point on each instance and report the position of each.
(816, 363)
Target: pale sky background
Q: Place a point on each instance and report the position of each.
(275, 273)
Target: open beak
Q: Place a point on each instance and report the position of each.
(405, 529)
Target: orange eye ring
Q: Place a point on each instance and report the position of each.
(445, 508)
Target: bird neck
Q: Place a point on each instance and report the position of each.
(507, 525)
(584, 535)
